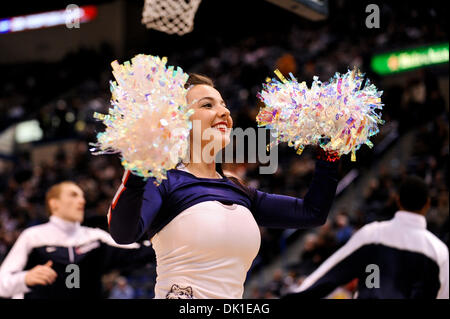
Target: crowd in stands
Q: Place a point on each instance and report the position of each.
(63, 97)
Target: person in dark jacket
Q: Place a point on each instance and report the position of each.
(394, 259)
(62, 259)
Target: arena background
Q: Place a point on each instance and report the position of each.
(53, 80)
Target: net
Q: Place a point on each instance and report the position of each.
(170, 16)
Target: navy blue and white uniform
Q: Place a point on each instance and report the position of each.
(64, 242)
(411, 262)
(205, 231)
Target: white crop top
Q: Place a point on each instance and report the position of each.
(205, 252)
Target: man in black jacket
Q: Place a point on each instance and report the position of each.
(395, 259)
(62, 259)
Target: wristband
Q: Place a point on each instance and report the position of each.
(329, 156)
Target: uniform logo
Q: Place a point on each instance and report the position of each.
(86, 247)
(50, 249)
(177, 292)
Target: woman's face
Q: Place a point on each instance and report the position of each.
(211, 121)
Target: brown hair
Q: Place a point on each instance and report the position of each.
(54, 192)
(196, 79)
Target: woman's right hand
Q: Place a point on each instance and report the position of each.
(41, 275)
(329, 156)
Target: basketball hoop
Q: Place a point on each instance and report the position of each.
(170, 16)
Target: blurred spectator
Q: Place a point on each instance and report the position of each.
(276, 284)
(310, 258)
(343, 229)
(122, 290)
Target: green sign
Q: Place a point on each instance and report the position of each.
(406, 60)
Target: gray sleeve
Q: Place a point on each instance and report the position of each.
(443, 276)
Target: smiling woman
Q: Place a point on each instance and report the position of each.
(212, 125)
(203, 225)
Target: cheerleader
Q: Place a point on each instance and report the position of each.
(203, 225)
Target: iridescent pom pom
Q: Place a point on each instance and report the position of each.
(339, 115)
(148, 122)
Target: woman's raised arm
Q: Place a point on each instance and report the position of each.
(281, 211)
(133, 208)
